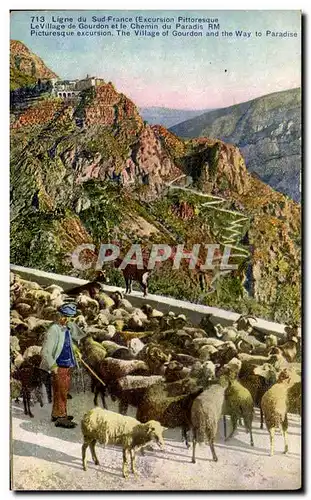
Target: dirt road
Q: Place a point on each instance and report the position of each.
(49, 458)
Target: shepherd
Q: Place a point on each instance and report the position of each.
(59, 356)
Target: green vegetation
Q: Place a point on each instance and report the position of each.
(86, 98)
(34, 242)
(105, 211)
(108, 145)
(19, 79)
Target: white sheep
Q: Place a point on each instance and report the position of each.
(103, 318)
(34, 322)
(33, 350)
(135, 346)
(137, 320)
(125, 304)
(38, 297)
(30, 285)
(120, 314)
(274, 404)
(234, 366)
(198, 343)
(54, 289)
(226, 333)
(81, 321)
(208, 370)
(111, 330)
(206, 351)
(271, 340)
(87, 305)
(108, 427)
(203, 371)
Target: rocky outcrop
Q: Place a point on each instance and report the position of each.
(268, 132)
(26, 67)
(42, 113)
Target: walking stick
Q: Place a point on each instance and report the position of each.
(92, 372)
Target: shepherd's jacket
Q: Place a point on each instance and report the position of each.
(54, 342)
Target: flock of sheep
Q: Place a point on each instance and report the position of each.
(174, 373)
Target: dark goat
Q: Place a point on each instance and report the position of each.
(92, 287)
(258, 380)
(32, 378)
(170, 403)
(132, 273)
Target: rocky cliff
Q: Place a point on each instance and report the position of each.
(26, 67)
(91, 170)
(268, 132)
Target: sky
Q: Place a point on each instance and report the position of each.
(178, 72)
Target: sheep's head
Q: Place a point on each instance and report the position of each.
(284, 376)
(207, 324)
(174, 366)
(86, 341)
(167, 321)
(81, 321)
(267, 371)
(206, 351)
(208, 370)
(147, 309)
(116, 296)
(274, 354)
(196, 369)
(155, 431)
(271, 340)
(180, 321)
(102, 277)
(243, 323)
(223, 378)
(226, 372)
(227, 345)
(233, 368)
(244, 346)
(292, 330)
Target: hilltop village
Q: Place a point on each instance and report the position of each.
(72, 88)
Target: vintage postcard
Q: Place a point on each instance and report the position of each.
(155, 284)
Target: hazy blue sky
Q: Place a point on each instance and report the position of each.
(181, 72)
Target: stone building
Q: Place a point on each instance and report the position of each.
(72, 88)
(65, 88)
(88, 82)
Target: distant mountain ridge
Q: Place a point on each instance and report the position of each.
(168, 117)
(268, 132)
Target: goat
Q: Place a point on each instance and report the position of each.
(31, 378)
(131, 272)
(91, 287)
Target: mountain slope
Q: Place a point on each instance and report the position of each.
(268, 132)
(92, 171)
(26, 67)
